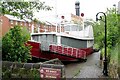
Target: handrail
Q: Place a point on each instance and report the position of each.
(65, 46)
(76, 55)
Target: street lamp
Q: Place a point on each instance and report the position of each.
(105, 72)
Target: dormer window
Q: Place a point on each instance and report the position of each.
(11, 21)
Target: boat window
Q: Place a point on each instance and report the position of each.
(35, 38)
(73, 27)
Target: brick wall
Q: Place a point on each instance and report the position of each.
(7, 24)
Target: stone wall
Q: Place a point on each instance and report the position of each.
(30, 71)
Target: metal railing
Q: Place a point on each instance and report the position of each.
(70, 51)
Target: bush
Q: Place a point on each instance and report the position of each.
(14, 47)
(113, 65)
(22, 73)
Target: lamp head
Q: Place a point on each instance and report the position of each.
(98, 18)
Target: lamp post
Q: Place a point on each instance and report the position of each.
(105, 72)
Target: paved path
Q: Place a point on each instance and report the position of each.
(89, 69)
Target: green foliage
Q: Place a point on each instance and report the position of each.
(108, 51)
(22, 73)
(112, 30)
(98, 35)
(118, 54)
(22, 9)
(114, 54)
(113, 37)
(119, 41)
(13, 45)
(0, 46)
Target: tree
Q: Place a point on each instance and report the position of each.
(23, 9)
(14, 47)
(98, 34)
(112, 30)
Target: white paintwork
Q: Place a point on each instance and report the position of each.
(83, 34)
(16, 19)
(90, 43)
(86, 34)
(59, 40)
(32, 28)
(38, 29)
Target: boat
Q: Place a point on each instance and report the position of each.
(73, 44)
(71, 41)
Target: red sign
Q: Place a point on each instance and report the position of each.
(50, 73)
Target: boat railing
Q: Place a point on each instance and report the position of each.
(67, 50)
(62, 49)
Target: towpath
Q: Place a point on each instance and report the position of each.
(89, 69)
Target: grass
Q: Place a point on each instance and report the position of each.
(118, 55)
(114, 55)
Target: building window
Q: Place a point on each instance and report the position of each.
(21, 23)
(29, 29)
(29, 24)
(11, 26)
(11, 21)
(25, 23)
(0, 21)
(16, 22)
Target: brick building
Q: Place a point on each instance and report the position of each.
(8, 21)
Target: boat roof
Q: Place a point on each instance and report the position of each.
(65, 35)
(86, 34)
(76, 37)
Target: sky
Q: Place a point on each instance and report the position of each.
(64, 7)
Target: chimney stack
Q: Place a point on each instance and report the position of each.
(77, 7)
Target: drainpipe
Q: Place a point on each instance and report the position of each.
(32, 28)
(56, 23)
(83, 27)
(32, 31)
(56, 15)
(38, 28)
(58, 40)
(60, 27)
